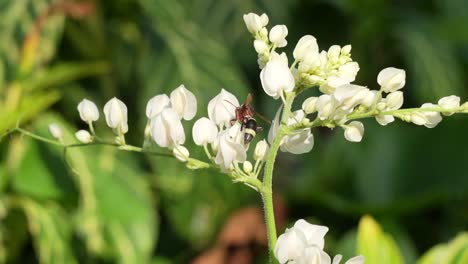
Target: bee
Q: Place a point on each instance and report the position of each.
(245, 115)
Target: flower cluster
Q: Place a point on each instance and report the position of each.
(304, 243)
(333, 72)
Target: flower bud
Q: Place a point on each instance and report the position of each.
(307, 44)
(83, 136)
(181, 153)
(260, 46)
(222, 108)
(418, 118)
(384, 119)
(261, 149)
(253, 22)
(156, 104)
(55, 131)
(277, 78)
(184, 102)
(88, 111)
(204, 131)
(346, 50)
(167, 130)
(432, 118)
(348, 71)
(394, 100)
(354, 131)
(309, 105)
(278, 35)
(334, 53)
(247, 166)
(326, 105)
(264, 19)
(449, 102)
(391, 79)
(115, 112)
(370, 98)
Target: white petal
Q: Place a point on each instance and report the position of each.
(156, 104)
(309, 105)
(354, 131)
(356, 260)
(384, 119)
(160, 132)
(83, 136)
(261, 149)
(337, 259)
(204, 131)
(181, 153)
(299, 143)
(184, 102)
(348, 71)
(55, 131)
(314, 234)
(276, 78)
(115, 112)
(88, 111)
(307, 44)
(278, 34)
(391, 79)
(394, 100)
(289, 245)
(222, 108)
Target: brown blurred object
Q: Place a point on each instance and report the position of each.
(242, 237)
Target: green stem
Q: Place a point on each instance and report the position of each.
(266, 191)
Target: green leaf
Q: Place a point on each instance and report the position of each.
(453, 252)
(375, 245)
(51, 231)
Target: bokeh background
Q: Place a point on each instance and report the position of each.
(99, 205)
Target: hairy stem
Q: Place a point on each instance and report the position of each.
(266, 191)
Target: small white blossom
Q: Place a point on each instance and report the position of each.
(278, 35)
(313, 255)
(370, 98)
(290, 245)
(230, 148)
(156, 104)
(254, 22)
(394, 100)
(184, 102)
(306, 45)
(181, 153)
(326, 105)
(204, 131)
(83, 136)
(55, 131)
(391, 79)
(88, 111)
(115, 112)
(261, 149)
(449, 102)
(354, 131)
(384, 119)
(419, 118)
(346, 50)
(350, 95)
(222, 108)
(354, 260)
(247, 166)
(309, 105)
(261, 46)
(432, 118)
(333, 53)
(348, 71)
(276, 77)
(167, 130)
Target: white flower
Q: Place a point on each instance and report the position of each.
(370, 98)
(432, 119)
(354, 260)
(394, 100)
(115, 112)
(346, 50)
(332, 83)
(350, 95)
(278, 35)
(384, 119)
(309, 105)
(333, 53)
(290, 245)
(276, 77)
(354, 131)
(254, 22)
(391, 79)
(247, 166)
(348, 71)
(261, 149)
(418, 118)
(204, 131)
(83, 136)
(167, 130)
(298, 142)
(313, 255)
(181, 153)
(88, 111)
(449, 102)
(156, 104)
(314, 234)
(260, 46)
(230, 148)
(55, 131)
(326, 105)
(184, 102)
(306, 45)
(222, 108)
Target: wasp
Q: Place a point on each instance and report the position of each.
(245, 115)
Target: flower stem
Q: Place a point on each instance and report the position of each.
(266, 191)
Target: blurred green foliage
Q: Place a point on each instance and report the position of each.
(98, 205)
